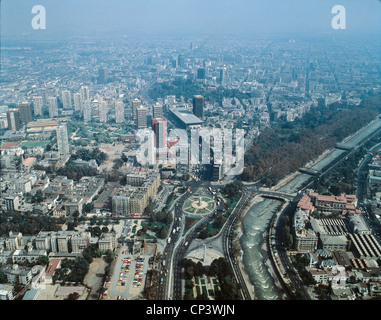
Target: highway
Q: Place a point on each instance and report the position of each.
(227, 234)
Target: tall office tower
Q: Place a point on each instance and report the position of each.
(13, 118)
(85, 93)
(119, 112)
(87, 112)
(174, 63)
(157, 111)
(37, 105)
(53, 107)
(222, 76)
(103, 108)
(66, 99)
(77, 102)
(135, 105)
(181, 61)
(25, 112)
(201, 73)
(102, 76)
(198, 106)
(159, 127)
(142, 117)
(146, 139)
(62, 140)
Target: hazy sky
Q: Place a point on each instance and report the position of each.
(189, 16)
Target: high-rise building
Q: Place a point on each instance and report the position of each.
(119, 112)
(201, 73)
(53, 107)
(103, 108)
(87, 111)
(181, 61)
(25, 112)
(62, 140)
(102, 76)
(66, 99)
(142, 117)
(159, 127)
(77, 102)
(157, 111)
(222, 76)
(136, 103)
(198, 106)
(85, 93)
(174, 63)
(37, 105)
(13, 118)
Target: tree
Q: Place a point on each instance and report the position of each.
(43, 260)
(124, 158)
(110, 255)
(72, 296)
(88, 207)
(38, 196)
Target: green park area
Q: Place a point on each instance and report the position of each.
(33, 144)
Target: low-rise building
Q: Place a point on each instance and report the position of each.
(107, 241)
(31, 256)
(6, 291)
(17, 274)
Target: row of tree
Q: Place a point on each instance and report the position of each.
(28, 224)
(287, 146)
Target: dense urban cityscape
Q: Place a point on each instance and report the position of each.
(121, 174)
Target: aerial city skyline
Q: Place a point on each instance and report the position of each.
(193, 151)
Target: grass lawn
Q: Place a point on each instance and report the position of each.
(32, 144)
(189, 222)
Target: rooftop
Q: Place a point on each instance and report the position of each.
(185, 116)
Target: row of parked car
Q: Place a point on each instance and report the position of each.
(139, 267)
(124, 269)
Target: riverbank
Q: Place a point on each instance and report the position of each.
(250, 286)
(264, 252)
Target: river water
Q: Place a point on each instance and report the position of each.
(254, 225)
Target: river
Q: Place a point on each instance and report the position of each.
(258, 217)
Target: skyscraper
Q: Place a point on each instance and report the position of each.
(201, 73)
(37, 105)
(53, 107)
(159, 127)
(198, 106)
(103, 108)
(62, 140)
(222, 76)
(85, 93)
(102, 76)
(119, 112)
(13, 118)
(87, 111)
(157, 111)
(77, 102)
(181, 61)
(66, 99)
(135, 105)
(25, 112)
(142, 117)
